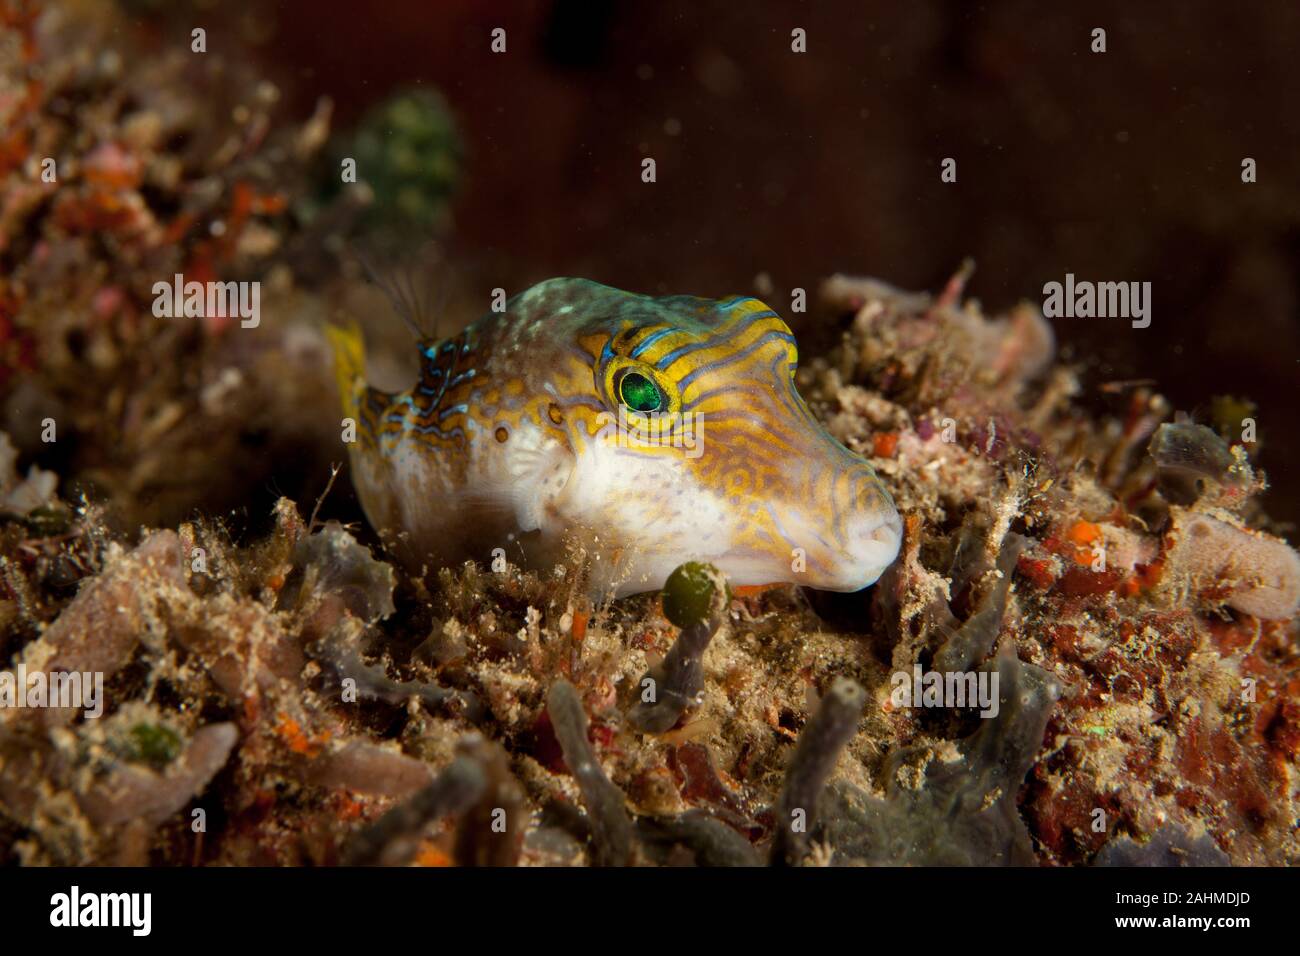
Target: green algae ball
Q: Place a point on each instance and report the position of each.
(409, 150)
(688, 592)
(153, 744)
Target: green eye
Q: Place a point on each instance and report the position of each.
(639, 393)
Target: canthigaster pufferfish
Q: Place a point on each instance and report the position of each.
(652, 431)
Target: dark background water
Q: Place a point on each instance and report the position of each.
(1123, 166)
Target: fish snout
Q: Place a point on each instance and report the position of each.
(874, 538)
(868, 540)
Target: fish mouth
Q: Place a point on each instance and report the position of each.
(871, 545)
(873, 548)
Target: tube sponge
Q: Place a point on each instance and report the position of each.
(1249, 571)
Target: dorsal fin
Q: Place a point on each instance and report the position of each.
(419, 302)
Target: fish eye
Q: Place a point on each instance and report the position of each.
(640, 393)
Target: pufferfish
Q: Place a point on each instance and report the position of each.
(649, 430)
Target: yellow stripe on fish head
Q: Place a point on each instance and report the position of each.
(702, 447)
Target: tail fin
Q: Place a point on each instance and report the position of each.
(349, 365)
